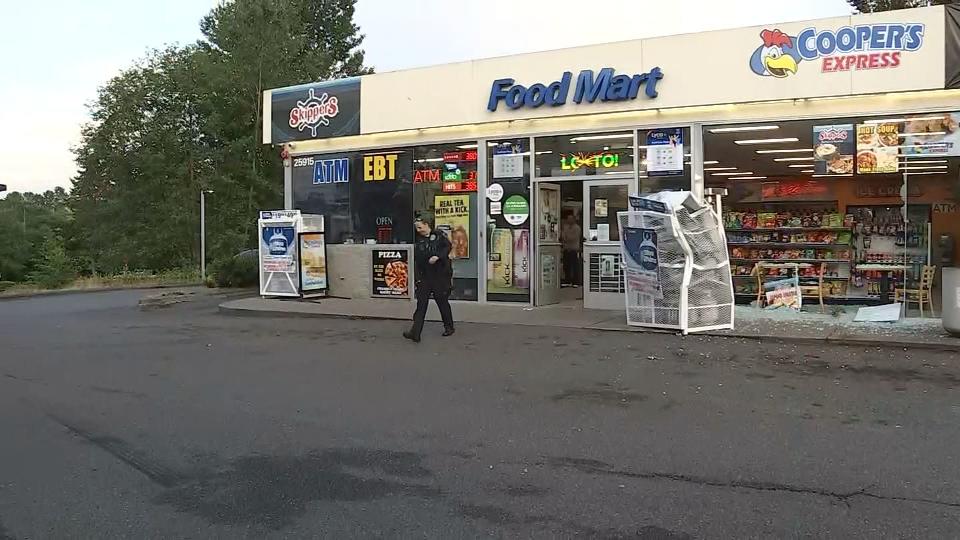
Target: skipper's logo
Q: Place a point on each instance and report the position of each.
(314, 112)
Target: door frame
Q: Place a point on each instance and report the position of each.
(539, 244)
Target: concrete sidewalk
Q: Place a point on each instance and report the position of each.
(751, 323)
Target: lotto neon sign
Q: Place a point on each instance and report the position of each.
(597, 160)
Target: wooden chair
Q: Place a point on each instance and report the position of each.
(815, 290)
(923, 293)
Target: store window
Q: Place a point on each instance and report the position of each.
(321, 185)
(664, 159)
(381, 197)
(445, 193)
(508, 221)
(594, 154)
(865, 204)
(364, 196)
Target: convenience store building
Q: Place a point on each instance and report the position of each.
(837, 141)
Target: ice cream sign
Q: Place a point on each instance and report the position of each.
(866, 46)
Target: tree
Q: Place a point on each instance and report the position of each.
(186, 119)
(138, 162)
(249, 46)
(53, 268)
(26, 220)
(873, 6)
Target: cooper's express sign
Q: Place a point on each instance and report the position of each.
(865, 46)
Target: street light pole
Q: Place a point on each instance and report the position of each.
(203, 235)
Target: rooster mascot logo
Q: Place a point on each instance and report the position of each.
(777, 57)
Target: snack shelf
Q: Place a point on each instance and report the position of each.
(793, 260)
(825, 278)
(841, 229)
(804, 244)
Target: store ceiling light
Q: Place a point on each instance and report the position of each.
(808, 171)
(747, 178)
(710, 162)
(794, 159)
(923, 168)
(768, 141)
(602, 137)
(786, 151)
(467, 146)
(743, 128)
(799, 166)
(928, 172)
(719, 168)
(923, 134)
(730, 173)
(430, 160)
(826, 175)
(541, 152)
(920, 161)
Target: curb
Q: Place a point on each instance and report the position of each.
(844, 342)
(63, 292)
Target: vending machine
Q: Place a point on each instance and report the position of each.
(279, 236)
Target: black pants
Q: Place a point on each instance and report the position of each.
(571, 266)
(441, 294)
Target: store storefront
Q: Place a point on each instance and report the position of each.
(836, 140)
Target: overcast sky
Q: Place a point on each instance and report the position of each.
(54, 54)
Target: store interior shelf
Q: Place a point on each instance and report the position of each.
(848, 229)
(786, 244)
(825, 278)
(794, 260)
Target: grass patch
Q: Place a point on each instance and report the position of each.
(131, 279)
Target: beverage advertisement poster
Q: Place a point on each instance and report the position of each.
(877, 148)
(834, 147)
(278, 258)
(313, 262)
(934, 134)
(665, 152)
(641, 258)
(391, 273)
(452, 216)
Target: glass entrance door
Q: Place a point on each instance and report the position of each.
(548, 244)
(603, 278)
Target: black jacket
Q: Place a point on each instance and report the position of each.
(439, 274)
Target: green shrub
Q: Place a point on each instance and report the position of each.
(241, 270)
(4, 285)
(54, 268)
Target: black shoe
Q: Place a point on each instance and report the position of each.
(409, 335)
(449, 331)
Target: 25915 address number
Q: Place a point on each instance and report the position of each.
(303, 162)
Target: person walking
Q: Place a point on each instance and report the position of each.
(571, 237)
(433, 273)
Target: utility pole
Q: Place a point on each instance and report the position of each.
(203, 235)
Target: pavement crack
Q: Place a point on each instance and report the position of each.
(119, 449)
(590, 466)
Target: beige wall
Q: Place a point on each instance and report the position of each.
(699, 69)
